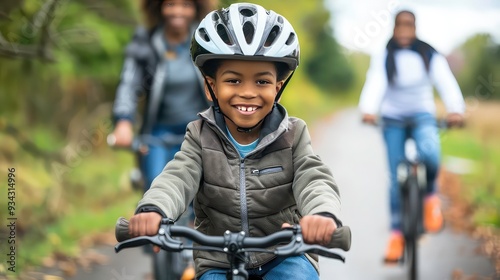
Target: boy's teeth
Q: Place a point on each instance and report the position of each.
(246, 109)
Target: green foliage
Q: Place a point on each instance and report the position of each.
(327, 66)
(477, 142)
(87, 50)
(480, 74)
(54, 116)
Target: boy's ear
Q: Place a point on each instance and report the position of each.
(278, 87)
(211, 82)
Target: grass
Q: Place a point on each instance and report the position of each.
(54, 214)
(63, 236)
(478, 142)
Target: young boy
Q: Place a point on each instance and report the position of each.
(247, 165)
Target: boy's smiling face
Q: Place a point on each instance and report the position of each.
(245, 91)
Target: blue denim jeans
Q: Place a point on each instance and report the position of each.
(298, 267)
(425, 134)
(158, 156)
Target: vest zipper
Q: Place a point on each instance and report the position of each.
(243, 199)
(244, 207)
(267, 170)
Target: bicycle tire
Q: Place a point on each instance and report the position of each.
(410, 216)
(414, 220)
(166, 266)
(407, 215)
(170, 265)
(411, 256)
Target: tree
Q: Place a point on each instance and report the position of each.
(480, 74)
(40, 24)
(327, 66)
(57, 53)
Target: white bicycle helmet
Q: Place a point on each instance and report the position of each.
(245, 31)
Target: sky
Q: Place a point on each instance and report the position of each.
(366, 25)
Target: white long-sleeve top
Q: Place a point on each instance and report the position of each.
(412, 90)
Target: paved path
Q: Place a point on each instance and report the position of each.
(356, 155)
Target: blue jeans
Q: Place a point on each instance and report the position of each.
(298, 267)
(158, 156)
(425, 134)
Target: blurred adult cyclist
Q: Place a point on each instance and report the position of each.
(399, 88)
(158, 63)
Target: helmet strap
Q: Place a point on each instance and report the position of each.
(278, 95)
(212, 94)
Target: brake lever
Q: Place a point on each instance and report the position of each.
(298, 247)
(320, 250)
(137, 241)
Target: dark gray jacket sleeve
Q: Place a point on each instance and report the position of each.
(133, 80)
(125, 103)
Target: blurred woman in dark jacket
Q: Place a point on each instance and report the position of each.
(158, 67)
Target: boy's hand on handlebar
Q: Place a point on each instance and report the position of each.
(147, 223)
(316, 229)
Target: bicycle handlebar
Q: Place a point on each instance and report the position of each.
(232, 242)
(440, 123)
(141, 142)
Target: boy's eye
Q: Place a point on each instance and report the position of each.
(263, 82)
(232, 81)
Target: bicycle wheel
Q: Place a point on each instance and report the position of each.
(413, 208)
(166, 265)
(411, 257)
(171, 265)
(408, 203)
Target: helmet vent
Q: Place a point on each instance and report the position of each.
(290, 39)
(223, 34)
(280, 20)
(246, 12)
(215, 17)
(272, 36)
(249, 31)
(203, 34)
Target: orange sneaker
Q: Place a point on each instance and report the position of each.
(396, 247)
(433, 218)
(189, 273)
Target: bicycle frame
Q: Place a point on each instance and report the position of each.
(412, 195)
(235, 245)
(412, 181)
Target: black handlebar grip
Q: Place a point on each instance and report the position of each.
(341, 238)
(121, 230)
